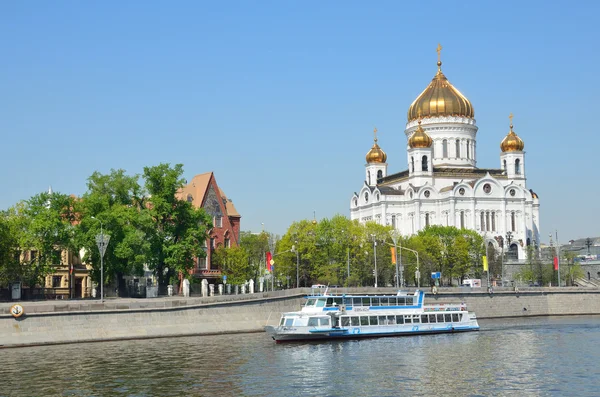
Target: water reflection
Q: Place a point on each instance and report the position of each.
(545, 356)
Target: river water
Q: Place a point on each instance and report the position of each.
(554, 356)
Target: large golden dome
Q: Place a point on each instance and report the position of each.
(376, 155)
(511, 142)
(420, 139)
(440, 98)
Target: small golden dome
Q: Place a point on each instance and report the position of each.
(511, 142)
(419, 138)
(376, 155)
(440, 98)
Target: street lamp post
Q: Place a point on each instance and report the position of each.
(375, 256)
(297, 265)
(102, 242)
(399, 276)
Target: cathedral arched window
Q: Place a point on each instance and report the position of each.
(366, 197)
(504, 166)
(487, 221)
(457, 148)
(369, 178)
(482, 221)
(493, 221)
(517, 166)
(379, 174)
(468, 143)
(412, 164)
(462, 219)
(445, 148)
(393, 221)
(424, 163)
(513, 221)
(426, 220)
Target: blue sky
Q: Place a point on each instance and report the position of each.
(280, 98)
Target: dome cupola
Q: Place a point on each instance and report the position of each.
(420, 139)
(511, 142)
(376, 155)
(440, 98)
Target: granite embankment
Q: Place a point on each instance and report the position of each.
(52, 322)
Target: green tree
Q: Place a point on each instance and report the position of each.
(234, 263)
(10, 268)
(179, 229)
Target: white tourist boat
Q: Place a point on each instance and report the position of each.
(366, 316)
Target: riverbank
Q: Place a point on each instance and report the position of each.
(59, 322)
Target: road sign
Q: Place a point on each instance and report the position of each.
(436, 275)
(102, 242)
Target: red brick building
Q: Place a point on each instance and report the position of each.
(204, 192)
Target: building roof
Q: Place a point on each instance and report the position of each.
(195, 192)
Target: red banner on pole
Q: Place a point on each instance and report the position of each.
(269, 258)
(555, 263)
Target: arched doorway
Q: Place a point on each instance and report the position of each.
(513, 252)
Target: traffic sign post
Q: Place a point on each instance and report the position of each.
(102, 242)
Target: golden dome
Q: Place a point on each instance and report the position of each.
(511, 142)
(420, 139)
(440, 98)
(376, 155)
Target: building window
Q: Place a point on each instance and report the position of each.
(482, 222)
(487, 221)
(393, 221)
(412, 164)
(504, 166)
(227, 243)
(190, 198)
(369, 178)
(518, 167)
(445, 148)
(366, 197)
(202, 263)
(379, 174)
(462, 219)
(218, 221)
(32, 256)
(468, 143)
(377, 197)
(457, 148)
(461, 191)
(487, 188)
(56, 280)
(493, 221)
(427, 193)
(426, 220)
(424, 163)
(355, 202)
(513, 221)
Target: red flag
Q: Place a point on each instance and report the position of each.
(269, 259)
(555, 263)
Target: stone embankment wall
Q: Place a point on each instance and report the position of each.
(83, 321)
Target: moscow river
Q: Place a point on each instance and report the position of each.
(554, 356)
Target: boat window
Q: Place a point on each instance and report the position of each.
(324, 321)
(281, 322)
(345, 321)
(392, 301)
(354, 321)
(460, 316)
(336, 322)
(348, 301)
(416, 319)
(399, 319)
(424, 318)
(408, 320)
(382, 320)
(409, 301)
(313, 321)
(401, 301)
(310, 302)
(440, 318)
(455, 317)
(320, 302)
(329, 302)
(364, 320)
(374, 301)
(373, 320)
(289, 322)
(337, 301)
(357, 302)
(432, 318)
(391, 320)
(366, 301)
(447, 317)
(383, 302)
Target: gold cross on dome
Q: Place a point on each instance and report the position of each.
(375, 133)
(439, 51)
(510, 117)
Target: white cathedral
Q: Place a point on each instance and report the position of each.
(442, 185)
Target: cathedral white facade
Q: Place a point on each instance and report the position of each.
(442, 185)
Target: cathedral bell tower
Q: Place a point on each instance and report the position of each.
(420, 162)
(376, 167)
(512, 159)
